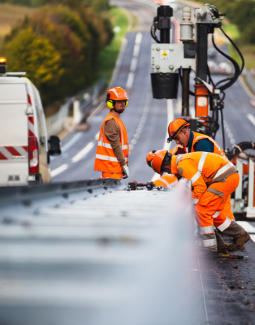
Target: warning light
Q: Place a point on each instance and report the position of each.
(2, 65)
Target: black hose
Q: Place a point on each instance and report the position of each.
(181, 79)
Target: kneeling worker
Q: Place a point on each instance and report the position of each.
(113, 149)
(213, 178)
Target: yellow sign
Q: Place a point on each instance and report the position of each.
(164, 55)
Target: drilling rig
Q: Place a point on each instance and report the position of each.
(173, 62)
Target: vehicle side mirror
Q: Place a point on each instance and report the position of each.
(54, 146)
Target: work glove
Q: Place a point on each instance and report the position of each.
(125, 171)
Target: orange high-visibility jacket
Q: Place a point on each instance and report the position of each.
(202, 169)
(200, 136)
(166, 181)
(105, 160)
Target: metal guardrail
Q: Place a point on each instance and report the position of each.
(123, 257)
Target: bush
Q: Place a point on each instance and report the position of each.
(71, 41)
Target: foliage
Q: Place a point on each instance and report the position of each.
(242, 14)
(73, 38)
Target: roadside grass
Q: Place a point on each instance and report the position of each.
(109, 55)
(9, 16)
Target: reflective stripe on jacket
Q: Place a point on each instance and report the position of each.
(106, 160)
(201, 169)
(200, 136)
(166, 181)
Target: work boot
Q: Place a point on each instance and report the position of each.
(241, 249)
(222, 249)
(239, 242)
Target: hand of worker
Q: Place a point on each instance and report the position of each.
(125, 171)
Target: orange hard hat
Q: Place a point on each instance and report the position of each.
(178, 150)
(175, 127)
(116, 93)
(155, 159)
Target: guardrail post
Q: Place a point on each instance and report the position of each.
(251, 208)
(239, 190)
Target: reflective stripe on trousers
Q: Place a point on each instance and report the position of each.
(223, 170)
(210, 242)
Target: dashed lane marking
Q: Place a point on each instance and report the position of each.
(71, 142)
(130, 80)
(251, 118)
(58, 170)
(97, 135)
(83, 152)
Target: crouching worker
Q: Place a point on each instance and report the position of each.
(213, 178)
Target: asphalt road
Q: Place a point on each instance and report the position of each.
(226, 292)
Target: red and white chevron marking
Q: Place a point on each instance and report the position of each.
(31, 126)
(10, 153)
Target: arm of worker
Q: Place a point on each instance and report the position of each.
(204, 145)
(189, 171)
(112, 133)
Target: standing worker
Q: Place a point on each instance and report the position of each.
(113, 149)
(213, 178)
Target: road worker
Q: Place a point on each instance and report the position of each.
(179, 131)
(213, 178)
(113, 149)
(167, 181)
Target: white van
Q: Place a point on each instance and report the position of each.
(24, 152)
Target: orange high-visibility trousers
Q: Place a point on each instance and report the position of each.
(213, 207)
(227, 209)
(112, 175)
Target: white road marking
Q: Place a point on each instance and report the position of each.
(133, 64)
(229, 133)
(83, 152)
(248, 228)
(130, 80)
(170, 117)
(58, 170)
(97, 135)
(70, 143)
(138, 38)
(192, 112)
(251, 118)
(136, 50)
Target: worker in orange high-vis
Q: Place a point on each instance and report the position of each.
(213, 178)
(167, 181)
(179, 131)
(113, 149)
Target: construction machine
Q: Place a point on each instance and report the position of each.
(173, 62)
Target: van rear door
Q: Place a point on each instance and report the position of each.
(13, 132)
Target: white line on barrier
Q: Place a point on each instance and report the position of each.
(83, 152)
(251, 118)
(58, 170)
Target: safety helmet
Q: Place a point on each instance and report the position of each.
(155, 159)
(113, 94)
(178, 150)
(175, 127)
